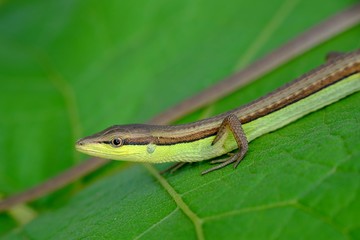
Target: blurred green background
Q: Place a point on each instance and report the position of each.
(71, 68)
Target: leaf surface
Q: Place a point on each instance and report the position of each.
(72, 68)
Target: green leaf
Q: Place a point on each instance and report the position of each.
(71, 68)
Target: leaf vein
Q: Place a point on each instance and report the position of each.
(283, 11)
(156, 224)
(328, 221)
(197, 221)
(251, 209)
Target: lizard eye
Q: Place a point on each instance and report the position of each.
(116, 142)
